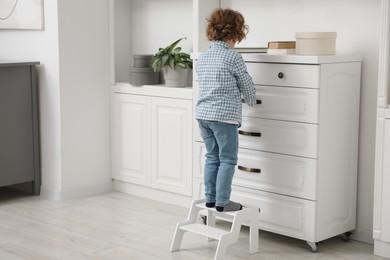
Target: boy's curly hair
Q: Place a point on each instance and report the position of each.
(226, 24)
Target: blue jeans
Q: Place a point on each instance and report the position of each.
(221, 141)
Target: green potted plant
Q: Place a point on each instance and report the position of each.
(175, 64)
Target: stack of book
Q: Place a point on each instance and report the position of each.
(281, 47)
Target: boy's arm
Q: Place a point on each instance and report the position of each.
(244, 82)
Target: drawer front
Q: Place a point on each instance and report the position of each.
(280, 214)
(291, 104)
(279, 137)
(293, 75)
(287, 175)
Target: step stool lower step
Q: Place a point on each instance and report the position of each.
(207, 231)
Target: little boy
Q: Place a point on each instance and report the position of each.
(223, 81)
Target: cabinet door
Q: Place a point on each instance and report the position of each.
(16, 130)
(131, 130)
(171, 145)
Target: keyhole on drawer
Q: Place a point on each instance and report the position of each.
(280, 75)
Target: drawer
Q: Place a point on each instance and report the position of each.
(283, 137)
(285, 103)
(293, 75)
(286, 175)
(280, 214)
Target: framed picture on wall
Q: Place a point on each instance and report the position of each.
(21, 14)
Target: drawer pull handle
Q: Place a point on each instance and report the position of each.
(247, 169)
(258, 101)
(280, 75)
(249, 133)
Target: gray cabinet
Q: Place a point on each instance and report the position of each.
(19, 132)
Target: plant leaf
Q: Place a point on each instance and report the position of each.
(156, 65)
(172, 63)
(164, 60)
(185, 55)
(177, 49)
(182, 65)
(172, 46)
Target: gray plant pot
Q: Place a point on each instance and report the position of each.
(178, 77)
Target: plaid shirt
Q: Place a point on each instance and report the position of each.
(223, 79)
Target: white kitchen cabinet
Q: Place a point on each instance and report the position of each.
(381, 229)
(172, 145)
(382, 182)
(131, 138)
(151, 137)
(151, 125)
(381, 225)
(297, 157)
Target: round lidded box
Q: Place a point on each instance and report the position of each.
(142, 60)
(141, 73)
(315, 43)
(143, 76)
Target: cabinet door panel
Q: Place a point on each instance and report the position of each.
(198, 189)
(195, 95)
(279, 136)
(290, 104)
(131, 138)
(16, 130)
(171, 145)
(290, 75)
(199, 152)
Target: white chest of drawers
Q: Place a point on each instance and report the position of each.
(299, 146)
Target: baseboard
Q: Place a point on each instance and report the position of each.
(382, 249)
(77, 192)
(153, 194)
(363, 235)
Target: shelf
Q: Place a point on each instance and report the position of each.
(134, 30)
(153, 90)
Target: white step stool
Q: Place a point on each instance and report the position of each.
(226, 238)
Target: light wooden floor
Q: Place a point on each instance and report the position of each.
(121, 226)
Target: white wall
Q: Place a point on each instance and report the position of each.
(73, 94)
(84, 96)
(357, 23)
